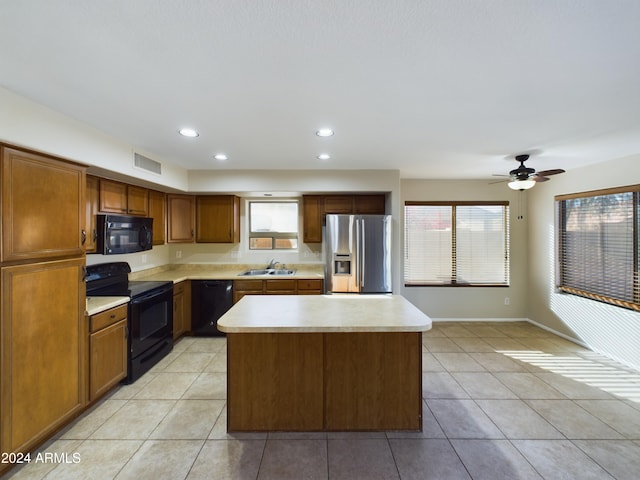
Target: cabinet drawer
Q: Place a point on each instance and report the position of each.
(108, 317)
(310, 284)
(253, 285)
(279, 285)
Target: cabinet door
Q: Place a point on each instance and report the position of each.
(113, 197)
(312, 219)
(217, 219)
(44, 337)
(338, 204)
(158, 211)
(108, 358)
(43, 209)
(369, 204)
(92, 205)
(178, 310)
(137, 201)
(181, 218)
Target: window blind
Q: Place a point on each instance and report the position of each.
(461, 243)
(598, 246)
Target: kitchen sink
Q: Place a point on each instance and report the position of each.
(282, 272)
(266, 271)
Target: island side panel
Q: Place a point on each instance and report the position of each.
(373, 381)
(275, 381)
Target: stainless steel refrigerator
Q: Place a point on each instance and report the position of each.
(358, 254)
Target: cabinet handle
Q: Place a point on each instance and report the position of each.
(113, 315)
(95, 234)
(126, 331)
(83, 236)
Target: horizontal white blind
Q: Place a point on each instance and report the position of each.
(599, 247)
(456, 244)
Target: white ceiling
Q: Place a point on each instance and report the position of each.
(434, 88)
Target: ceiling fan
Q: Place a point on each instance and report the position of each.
(524, 178)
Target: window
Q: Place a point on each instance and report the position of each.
(598, 245)
(273, 225)
(456, 243)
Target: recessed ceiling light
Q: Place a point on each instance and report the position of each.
(220, 156)
(324, 132)
(324, 156)
(188, 132)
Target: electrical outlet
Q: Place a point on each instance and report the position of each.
(178, 253)
(507, 301)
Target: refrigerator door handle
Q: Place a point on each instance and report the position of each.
(362, 250)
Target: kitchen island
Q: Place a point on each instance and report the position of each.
(324, 363)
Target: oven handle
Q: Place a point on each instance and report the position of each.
(149, 296)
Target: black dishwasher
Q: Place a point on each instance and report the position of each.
(210, 299)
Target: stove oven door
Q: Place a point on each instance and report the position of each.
(150, 320)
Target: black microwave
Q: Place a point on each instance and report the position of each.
(123, 234)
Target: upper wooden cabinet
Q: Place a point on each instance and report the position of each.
(181, 218)
(312, 218)
(43, 206)
(92, 205)
(137, 201)
(158, 211)
(315, 207)
(338, 204)
(123, 199)
(369, 204)
(113, 196)
(217, 219)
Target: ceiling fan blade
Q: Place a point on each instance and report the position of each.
(546, 173)
(500, 181)
(538, 178)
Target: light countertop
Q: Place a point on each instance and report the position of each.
(323, 313)
(100, 304)
(225, 272)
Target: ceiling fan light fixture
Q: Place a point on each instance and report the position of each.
(521, 184)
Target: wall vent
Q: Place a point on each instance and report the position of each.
(147, 164)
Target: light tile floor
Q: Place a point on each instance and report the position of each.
(501, 401)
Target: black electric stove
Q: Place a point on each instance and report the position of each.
(150, 313)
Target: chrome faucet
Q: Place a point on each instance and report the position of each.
(272, 264)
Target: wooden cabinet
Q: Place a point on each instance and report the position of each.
(312, 218)
(315, 207)
(276, 286)
(310, 287)
(43, 383)
(107, 350)
(158, 211)
(120, 198)
(113, 197)
(181, 218)
(338, 204)
(287, 286)
(369, 204)
(137, 201)
(247, 287)
(43, 210)
(217, 219)
(181, 308)
(43, 337)
(92, 205)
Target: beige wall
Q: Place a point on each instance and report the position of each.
(31, 125)
(611, 330)
(474, 302)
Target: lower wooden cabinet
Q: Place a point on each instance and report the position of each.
(107, 350)
(43, 339)
(181, 308)
(281, 286)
